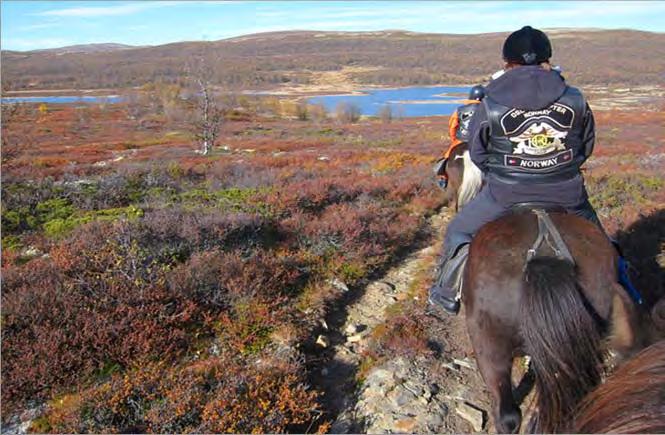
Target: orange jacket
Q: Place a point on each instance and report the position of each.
(453, 124)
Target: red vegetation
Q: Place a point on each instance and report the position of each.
(148, 288)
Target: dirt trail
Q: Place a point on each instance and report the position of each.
(424, 394)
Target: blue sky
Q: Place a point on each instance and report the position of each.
(29, 25)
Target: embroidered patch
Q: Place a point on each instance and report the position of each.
(539, 139)
(465, 122)
(557, 114)
(539, 164)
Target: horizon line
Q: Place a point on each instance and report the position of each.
(130, 47)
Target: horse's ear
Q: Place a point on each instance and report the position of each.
(658, 315)
(623, 335)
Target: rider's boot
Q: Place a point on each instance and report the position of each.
(448, 282)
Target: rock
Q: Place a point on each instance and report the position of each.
(400, 396)
(383, 424)
(323, 341)
(351, 329)
(24, 427)
(341, 426)
(401, 296)
(434, 419)
(451, 366)
(340, 285)
(384, 287)
(406, 425)
(471, 414)
(380, 376)
(30, 252)
(465, 363)
(354, 338)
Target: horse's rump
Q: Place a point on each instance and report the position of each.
(551, 309)
(499, 249)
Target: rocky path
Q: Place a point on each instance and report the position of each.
(438, 393)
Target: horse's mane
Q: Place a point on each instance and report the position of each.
(472, 181)
(632, 400)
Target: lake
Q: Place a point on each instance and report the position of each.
(65, 99)
(407, 102)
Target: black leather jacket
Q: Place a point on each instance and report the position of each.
(530, 136)
(464, 115)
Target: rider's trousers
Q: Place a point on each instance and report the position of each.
(483, 209)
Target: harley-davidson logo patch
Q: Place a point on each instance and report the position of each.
(539, 139)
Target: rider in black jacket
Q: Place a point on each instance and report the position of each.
(529, 136)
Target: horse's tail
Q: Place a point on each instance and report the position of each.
(472, 180)
(562, 338)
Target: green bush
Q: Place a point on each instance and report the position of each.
(60, 227)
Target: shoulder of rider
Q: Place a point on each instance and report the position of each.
(499, 73)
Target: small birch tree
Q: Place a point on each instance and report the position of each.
(208, 115)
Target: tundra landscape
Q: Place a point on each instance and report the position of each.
(212, 253)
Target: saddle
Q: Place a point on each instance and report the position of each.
(547, 231)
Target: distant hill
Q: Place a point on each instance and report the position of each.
(86, 48)
(266, 60)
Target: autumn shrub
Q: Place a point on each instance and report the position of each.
(165, 286)
(212, 395)
(216, 280)
(402, 335)
(615, 190)
(98, 300)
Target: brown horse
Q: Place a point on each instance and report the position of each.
(556, 312)
(632, 400)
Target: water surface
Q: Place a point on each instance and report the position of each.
(408, 102)
(65, 99)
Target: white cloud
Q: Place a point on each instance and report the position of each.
(38, 26)
(98, 11)
(481, 16)
(122, 8)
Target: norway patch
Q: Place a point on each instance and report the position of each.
(531, 164)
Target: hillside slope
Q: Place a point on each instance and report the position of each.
(267, 60)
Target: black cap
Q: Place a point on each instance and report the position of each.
(527, 46)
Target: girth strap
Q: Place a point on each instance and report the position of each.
(547, 232)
